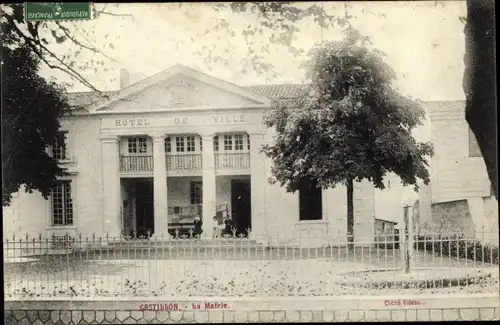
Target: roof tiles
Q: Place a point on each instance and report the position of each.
(287, 94)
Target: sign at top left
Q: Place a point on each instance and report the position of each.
(37, 11)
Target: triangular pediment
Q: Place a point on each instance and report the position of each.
(181, 87)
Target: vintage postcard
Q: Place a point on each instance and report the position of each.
(249, 162)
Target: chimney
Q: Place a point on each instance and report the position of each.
(124, 78)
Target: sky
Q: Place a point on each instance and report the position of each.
(424, 43)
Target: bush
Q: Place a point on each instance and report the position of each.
(458, 246)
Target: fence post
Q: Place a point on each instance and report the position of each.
(407, 238)
(402, 243)
(411, 233)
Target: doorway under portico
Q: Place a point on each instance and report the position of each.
(185, 203)
(137, 207)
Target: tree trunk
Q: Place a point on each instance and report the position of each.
(350, 214)
(480, 81)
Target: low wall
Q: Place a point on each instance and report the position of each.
(452, 217)
(229, 310)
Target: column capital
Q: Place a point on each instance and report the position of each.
(158, 136)
(109, 138)
(206, 135)
(256, 133)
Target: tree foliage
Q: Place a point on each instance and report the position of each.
(273, 25)
(352, 125)
(279, 23)
(42, 38)
(31, 107)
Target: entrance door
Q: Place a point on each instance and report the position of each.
(241, 205)
(145, 206)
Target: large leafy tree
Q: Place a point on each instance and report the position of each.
(31, 107)
(351, 126)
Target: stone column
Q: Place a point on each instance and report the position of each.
(424, 209)
(209, 186)
(258, 182)
(479, 222)
(160, 187)
(112, 216)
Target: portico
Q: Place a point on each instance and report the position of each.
(205, 155)
(181, 130)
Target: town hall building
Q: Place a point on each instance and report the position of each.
(181, 144)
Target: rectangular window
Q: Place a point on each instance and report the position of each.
(196, 193)
(248, 141)
(216, 143)
(168, 144)
(228, 142)
(474, 150)
(190, 143)
(201, 144)
(310, 201)
(137, 145)
(179, 144)
(59, 146)
(132, 145)
(62, 204)
(238, 142)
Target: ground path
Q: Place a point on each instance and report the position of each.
(174, 277)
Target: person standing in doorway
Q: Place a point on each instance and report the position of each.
(222, 225)
(228, 226)
(215, 227)
(197, 227)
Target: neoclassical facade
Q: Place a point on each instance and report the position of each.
(180, 144)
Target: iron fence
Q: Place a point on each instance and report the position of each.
(301, 264)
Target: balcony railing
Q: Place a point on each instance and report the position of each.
(190, 162)
(232, 160)
(136, 163)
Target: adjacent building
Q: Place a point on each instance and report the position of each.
(179, 144)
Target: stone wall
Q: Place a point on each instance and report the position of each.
(456, 174)
(452, 216)
(242, 310)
